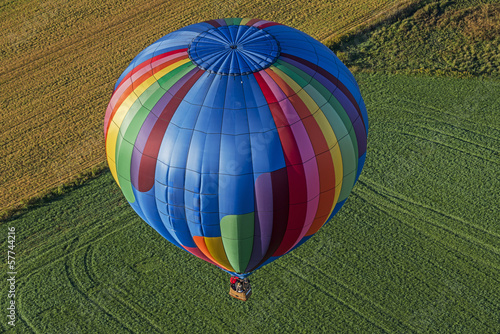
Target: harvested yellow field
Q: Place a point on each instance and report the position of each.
(60, 60)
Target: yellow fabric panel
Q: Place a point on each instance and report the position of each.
(244, 21)
(293, 85)
(169, 68)
(111, 149)
(330, 137)
(121, 112)
(216, 249)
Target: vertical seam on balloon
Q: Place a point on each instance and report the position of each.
(218, 172)
(185, 170)
(170, 164)
(253, 171)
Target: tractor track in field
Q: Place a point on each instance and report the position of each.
(379, 308)
(101, 236)
(96, 304)
(466, 258)
(469, 260)
(461, 235)
(337, 298)
(448, 146)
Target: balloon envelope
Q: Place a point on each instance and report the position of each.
(236, 139)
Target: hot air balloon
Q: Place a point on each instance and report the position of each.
(236, 139)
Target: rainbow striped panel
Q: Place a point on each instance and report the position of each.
(236, 139)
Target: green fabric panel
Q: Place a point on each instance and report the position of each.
(124, 151)
(318, 93)
(169, 79)
(231, 21)
(346, 120)
(152, 95)
(129, 130)
(237, 21)
(300, 77)
(347, 185)
(237, 237)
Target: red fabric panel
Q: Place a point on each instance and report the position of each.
(141, 79)
(253, 21)
(265, 25)
(214, 23)
(289, 145)
(155, 138)
(326, 171)
(149, 61)
(268, 94)
(279, 180)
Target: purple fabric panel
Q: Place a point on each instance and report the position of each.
(300, 66)
(148, 125)
(359, 130)
(347, 105)
(325, 82)
(263, 218)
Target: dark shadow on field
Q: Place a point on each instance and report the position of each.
(52, 195)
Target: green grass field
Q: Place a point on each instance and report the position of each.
(416, 248)
(460, 38)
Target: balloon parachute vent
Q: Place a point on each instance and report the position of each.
(234, 50)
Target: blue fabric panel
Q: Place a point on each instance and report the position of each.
(210, 230)
(267, 152)
(216, 95)
(192, 181)
(197, 93)
(209, 120)
(253, 94)
(209, 186)
(175, 177)
(175, 211)
(181, 232)
(306, 54)
(181, 148)
(152, 218)
(195, 229)
(260, 119)
(192, 200)
(160, 191)
(209, 203)
(161, 172)
(235, 98)
(195, 155)
(235, 155)
(329, 65)
(210, 160)
(361, 163)
(175, 198)
(186, 115)
(167, 144)
(146, 201)
(193, 216)
(235, 122)
(230, 189)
